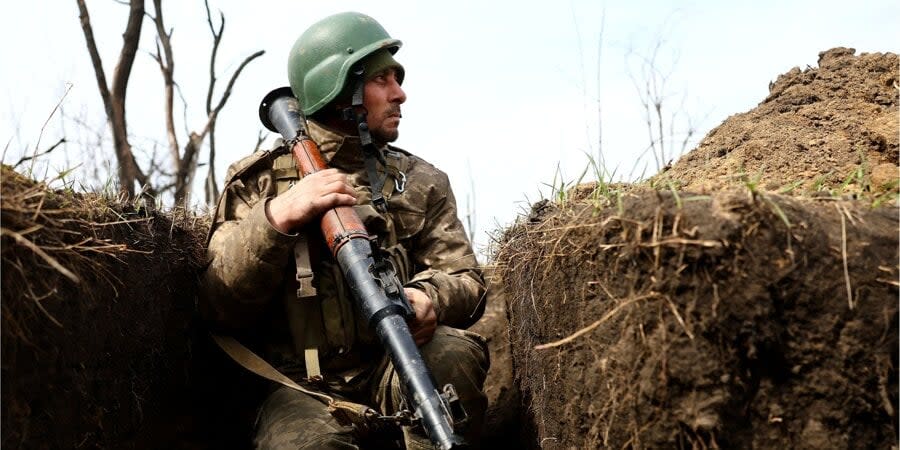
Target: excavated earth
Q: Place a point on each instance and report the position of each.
(98, 341)
(833, 127)
(745, 298)
(750, 302)
(101, 347)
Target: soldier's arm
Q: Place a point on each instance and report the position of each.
(446, 268)
(252, 237)
(247, 256)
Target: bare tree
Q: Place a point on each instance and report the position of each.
(114, 96)
(183, 161)
(212, 188)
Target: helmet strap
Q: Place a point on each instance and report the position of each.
(357, 112)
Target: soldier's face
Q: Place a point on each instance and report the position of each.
(382, 99)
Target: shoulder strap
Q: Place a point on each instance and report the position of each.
(250, 361)
(304, 273)
(284, 168)
(376, 183)
(345, 412)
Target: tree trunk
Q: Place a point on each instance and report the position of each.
(114, 98)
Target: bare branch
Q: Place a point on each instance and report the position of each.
(41, 135)
(188, 162)
(183, 109)
(37, 155)
(95, 55)
(217, 39)
(131, 38)
(211, 188)
(167, 68)
(234, 77)
(166, 187)
(260, 137)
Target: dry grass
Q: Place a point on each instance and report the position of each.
(54, 241)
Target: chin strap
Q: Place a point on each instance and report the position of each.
(357, 112)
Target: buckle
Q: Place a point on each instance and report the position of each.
(400, 184)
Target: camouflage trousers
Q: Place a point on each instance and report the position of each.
(292, 420)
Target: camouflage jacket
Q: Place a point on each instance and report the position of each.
(250, 284)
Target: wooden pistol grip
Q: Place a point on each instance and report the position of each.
(340, 224)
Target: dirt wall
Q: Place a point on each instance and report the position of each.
(739, 320)
(98, 304)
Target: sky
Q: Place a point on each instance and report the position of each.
(508, 97)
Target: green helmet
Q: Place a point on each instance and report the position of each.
(323, 55)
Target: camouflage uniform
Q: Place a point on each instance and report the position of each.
(251, 284)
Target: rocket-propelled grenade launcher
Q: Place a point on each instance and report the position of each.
(372, 279)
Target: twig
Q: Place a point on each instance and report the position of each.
(678, 318)
(119, 222)
(37, 155)
(844, 256)
(37, 250)
(594, 325)
(701, 243)
(37, 301)
(167, 67)
(41, 134)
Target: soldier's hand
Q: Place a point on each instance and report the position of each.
(309, 198)
(423, 325)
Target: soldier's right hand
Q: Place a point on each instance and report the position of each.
(310, 198)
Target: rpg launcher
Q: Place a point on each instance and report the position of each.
(371, 277)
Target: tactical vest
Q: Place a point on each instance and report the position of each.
(320, 309)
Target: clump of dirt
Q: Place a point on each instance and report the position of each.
(739, 320)
(98, 302)
(827, 128)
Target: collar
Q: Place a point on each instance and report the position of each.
(338, 149)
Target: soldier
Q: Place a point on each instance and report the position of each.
(271, 276)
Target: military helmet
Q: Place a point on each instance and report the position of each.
(323, 55)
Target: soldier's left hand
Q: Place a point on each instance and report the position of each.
(423, 325)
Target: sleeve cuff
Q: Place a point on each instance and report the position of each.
(421, 282)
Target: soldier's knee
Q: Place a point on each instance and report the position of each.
(460, 358)
(307, 439)
(455, 355)
(291, 420)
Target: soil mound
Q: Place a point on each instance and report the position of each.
(98, 299)
(750, 302)
(829, 128)
(731, 321)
